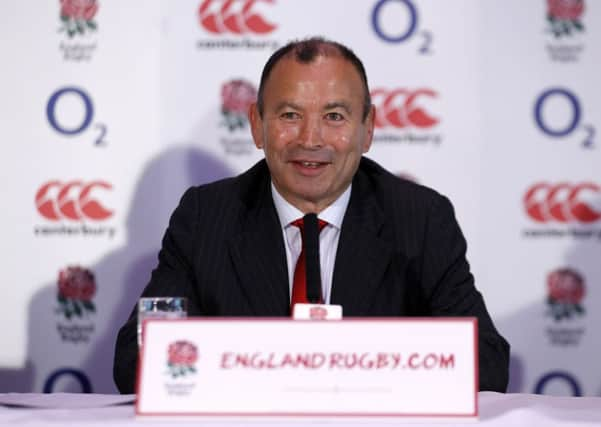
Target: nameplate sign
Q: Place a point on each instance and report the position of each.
(224, 367)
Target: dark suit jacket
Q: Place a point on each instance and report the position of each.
(400, 253)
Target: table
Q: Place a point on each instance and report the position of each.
(496, 409)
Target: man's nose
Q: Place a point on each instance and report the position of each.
(310, 133)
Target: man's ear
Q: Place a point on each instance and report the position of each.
(256, 125)
(369, 128)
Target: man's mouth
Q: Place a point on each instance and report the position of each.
(311, 164)
(308, 167)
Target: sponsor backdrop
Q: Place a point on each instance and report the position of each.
(111, 109)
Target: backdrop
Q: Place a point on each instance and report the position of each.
(110, 109)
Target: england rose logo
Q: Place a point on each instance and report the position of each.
(181, 358)
(236, 98)
(318, 313)
(565, 289)
(77, 16)
(76, 288)
(564, 16)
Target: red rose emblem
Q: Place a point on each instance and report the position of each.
(76, 283)
(182, 353)
(318, 313)
(569, 10)
(79, 9)
(237, 96)
(565, 286)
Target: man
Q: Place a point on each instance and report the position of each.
(390, 247)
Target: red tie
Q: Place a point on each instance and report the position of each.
(299, 284)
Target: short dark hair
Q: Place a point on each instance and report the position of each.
(305, 51)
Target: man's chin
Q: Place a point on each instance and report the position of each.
(318, 199)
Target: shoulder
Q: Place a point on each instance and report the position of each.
(239, 190)
(412, 213)
(225, 201)
(392, 189)
(407, 208)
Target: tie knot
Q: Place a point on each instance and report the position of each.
(301, 224)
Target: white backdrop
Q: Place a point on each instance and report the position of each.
(120, 105)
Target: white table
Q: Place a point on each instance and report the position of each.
(501, 410)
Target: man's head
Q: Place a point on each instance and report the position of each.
(313, 119)
(305, 51)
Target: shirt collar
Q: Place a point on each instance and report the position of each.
(333, 214)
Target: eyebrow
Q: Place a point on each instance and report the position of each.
(287, 104)
(339, 104)
(329, 106)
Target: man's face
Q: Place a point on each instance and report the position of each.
(312, 130)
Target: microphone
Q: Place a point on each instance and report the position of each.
(312, 265)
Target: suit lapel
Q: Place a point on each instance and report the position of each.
(259, 256)
(362, 256)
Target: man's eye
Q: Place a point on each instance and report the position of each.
(289, 115)
(336, 117)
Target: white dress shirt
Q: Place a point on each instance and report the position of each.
(328, 238)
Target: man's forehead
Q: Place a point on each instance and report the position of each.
(298, 85)
(335, 69)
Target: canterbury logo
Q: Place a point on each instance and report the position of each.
(72, 200)
(397, 108)
(230, 19)
(561, 202)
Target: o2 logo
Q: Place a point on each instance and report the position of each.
(547, 125)
(558, 376)
(401, 35)
(56, 115)
(79, 376)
